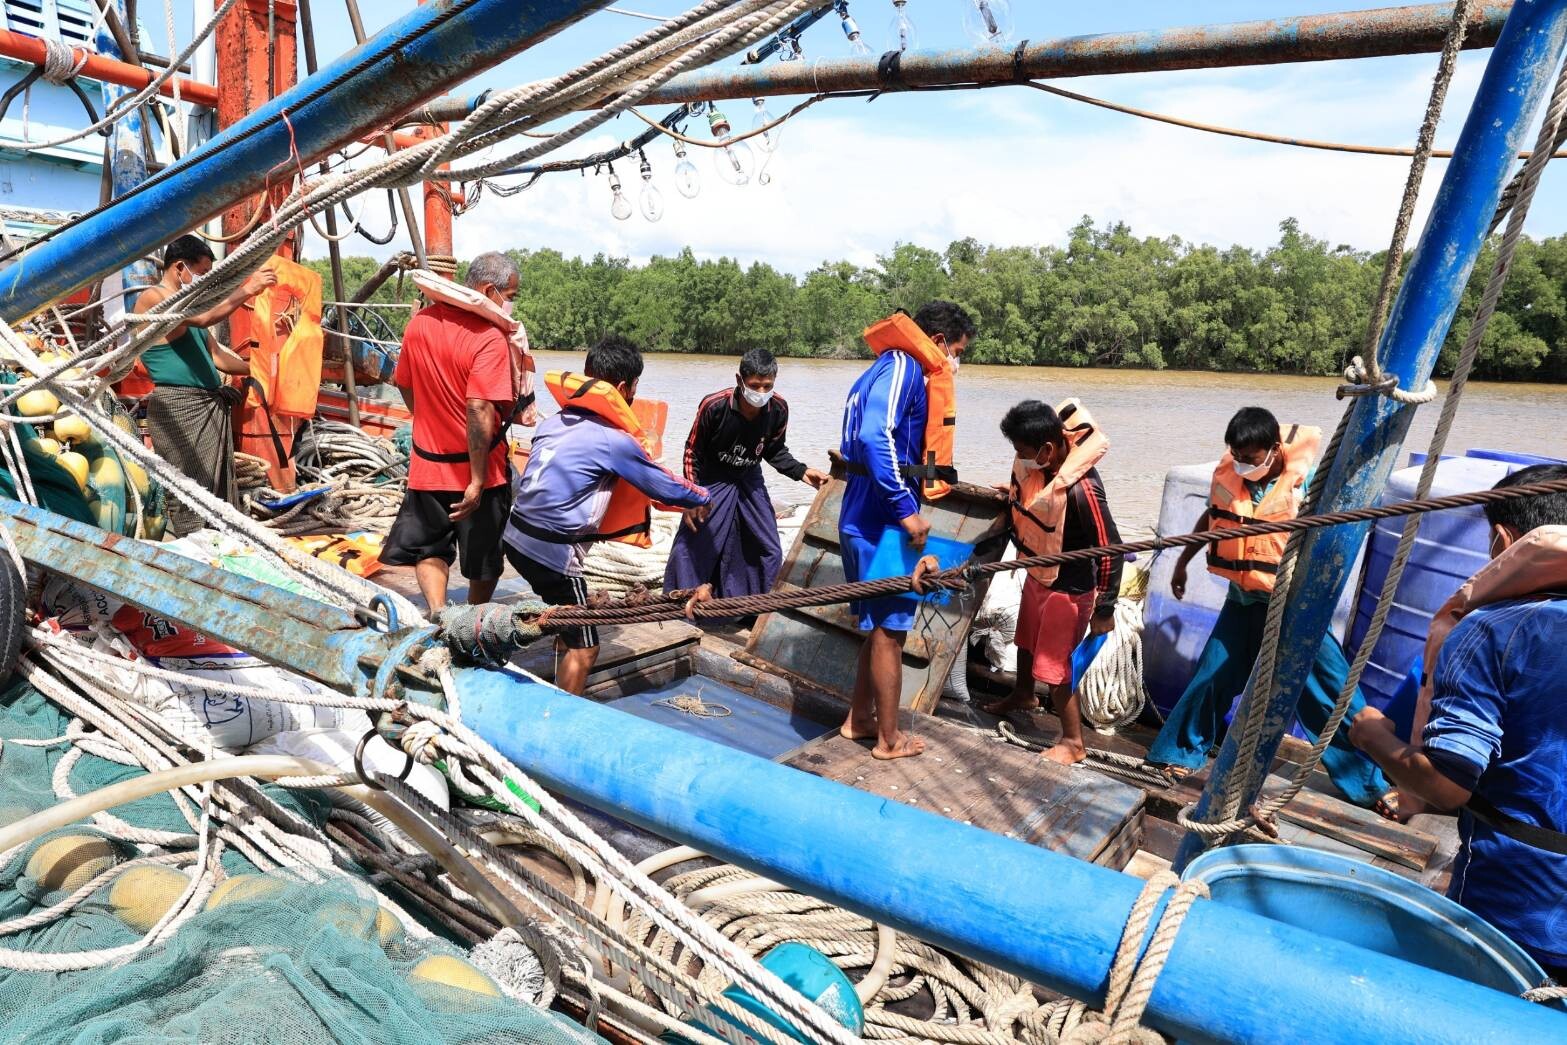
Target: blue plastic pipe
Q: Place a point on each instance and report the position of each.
(433, 47)
(1232, 976)
(1517, 78)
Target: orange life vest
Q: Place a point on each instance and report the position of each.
(1253, 562)
(899, 332)
(288, 371)
(1039, 503)
(359, 554)
(629, 517)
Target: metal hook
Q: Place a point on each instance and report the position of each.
(359, 762)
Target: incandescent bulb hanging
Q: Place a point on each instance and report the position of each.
(851, 31)
(735, 161)
(767, 141)
(988, 23)
(688, 182)
(620, 207)
(651, 201)
(900, 34)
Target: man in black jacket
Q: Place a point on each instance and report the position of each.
(732, 541)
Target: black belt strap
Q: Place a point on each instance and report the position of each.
(1241, 565)
(555, 537)
(266, 410)
(523, 402)
(1529, 834)
(1215, 512)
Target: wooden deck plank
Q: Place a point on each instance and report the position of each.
(966, 776)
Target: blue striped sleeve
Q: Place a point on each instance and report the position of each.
(891, 399)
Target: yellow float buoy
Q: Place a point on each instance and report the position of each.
(76, 464)
(243, 887)
(71, 861)
(106, 473)
(40, 402)
(72, 429)
(42, 445)
(452, 972)
(143, 895)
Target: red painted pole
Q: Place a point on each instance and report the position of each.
(257, 61)
(25, 48)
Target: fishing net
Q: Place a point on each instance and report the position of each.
(267, 958)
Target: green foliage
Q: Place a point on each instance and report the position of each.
(1107, 298)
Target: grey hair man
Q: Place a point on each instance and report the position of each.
(456, 377)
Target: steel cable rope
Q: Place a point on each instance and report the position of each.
(658, 606)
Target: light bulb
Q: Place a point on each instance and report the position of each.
(900, 34)
(851, 31)
(733, 162)
(620, 207)
(688, 182)
(651, 201)
(767, 141)
(988, 23)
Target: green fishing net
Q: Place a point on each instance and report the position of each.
(270, 958)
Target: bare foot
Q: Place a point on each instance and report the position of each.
(1066, 754)
(906, 746)
(852, 730)
(1013, 702)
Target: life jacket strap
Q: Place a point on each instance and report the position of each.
(918, 473)
(556, 537)
(458, 458)
(1215, 512)
(1529, 834)
(1241, 565)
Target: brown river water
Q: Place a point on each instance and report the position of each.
(1155, 419)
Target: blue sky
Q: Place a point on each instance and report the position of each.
(1008, 165)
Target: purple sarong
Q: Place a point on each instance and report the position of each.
(736, 550)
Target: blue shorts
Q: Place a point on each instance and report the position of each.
(894, 614)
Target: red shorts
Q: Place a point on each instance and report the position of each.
(1050, 624)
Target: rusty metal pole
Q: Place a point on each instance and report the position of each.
(307, 32)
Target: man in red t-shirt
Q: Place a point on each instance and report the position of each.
(455, 374)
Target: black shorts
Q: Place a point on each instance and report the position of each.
(423, 529)
(557, 589)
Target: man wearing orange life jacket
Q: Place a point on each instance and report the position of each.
(456, 375)
(1058, 504)
(1262, 477)
(1492, 724)
(589, 478)
(898, 425)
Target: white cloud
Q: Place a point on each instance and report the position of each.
(1013, 167)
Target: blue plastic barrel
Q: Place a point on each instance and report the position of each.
(1366, 906)
(806, 970)
(1512, 457)
(1451, 546)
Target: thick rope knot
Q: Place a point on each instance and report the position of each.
(62, 62)
(490, 633)
(1362, 380)
(1546, 994)
(422, 741)
(1135, 970)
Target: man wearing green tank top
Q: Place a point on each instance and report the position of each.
(190, 410)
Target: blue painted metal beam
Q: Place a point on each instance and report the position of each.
(328, 644)
(1517, 78)
(430, 49)
(1232, 976)
(1310, 38)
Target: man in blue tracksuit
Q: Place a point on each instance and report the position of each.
(883, 431)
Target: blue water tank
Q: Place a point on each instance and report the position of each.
(1511, 457)
(1175, 631)
(1450, 547)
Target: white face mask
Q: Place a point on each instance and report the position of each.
(755, 398)
(1254, 473)
(955, 361)
(1029, 464)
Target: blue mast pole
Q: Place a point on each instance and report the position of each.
(432, 48)
(1520, 72)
